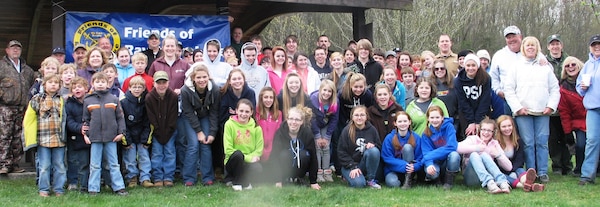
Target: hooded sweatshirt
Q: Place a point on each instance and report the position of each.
(394, 162)
(247, 138)
(323, 118)
(383, 119)
(350, 153)
(229, 102)
(219, 71)
(474, 100)
(306, 140)
(136, 119)
(437, 146)
(195, 108)
(346, 106)
(256, 76)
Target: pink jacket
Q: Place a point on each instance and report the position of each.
(473, 144)
(269, 127)
(276, 80)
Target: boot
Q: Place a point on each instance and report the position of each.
(407, 181)
(320, 178)
(328, 175)
(449, 180)
(133, 182)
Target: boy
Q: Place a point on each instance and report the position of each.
(408, 78)
(104, 116)
(78, 152)
(113, 84)
(44, 126)
(139, 60)
(161, 106)
(67, 73)
(378, 56)
(137, 138)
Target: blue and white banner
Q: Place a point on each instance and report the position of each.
(132, 30)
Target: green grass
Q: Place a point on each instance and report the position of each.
(561, 191)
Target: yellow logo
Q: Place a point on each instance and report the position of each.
(89, 32)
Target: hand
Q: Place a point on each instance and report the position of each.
(410, 168)
(177, 91)
(501, 94)
(431, 170)
(369, 145)
(543, 61)
(255, 159)
(548, 111)
(584, 88)
(418, 73)
(118, 138)
(315, 186)
(129, 147)
(355, 173)
(84, 129)
(86, 139)
(493, 152)
(278, 184)
(522, 111)
(471, 129)
(201, 136)
(210, 139)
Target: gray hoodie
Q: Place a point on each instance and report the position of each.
(256, 76)
(219, 71)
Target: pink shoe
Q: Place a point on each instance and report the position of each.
(530, 177)
(536, 187)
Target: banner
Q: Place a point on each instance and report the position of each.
(132, 30)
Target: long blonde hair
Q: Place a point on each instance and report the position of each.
(287, 97)
(514, 136)
(569, 60)
(352, 78)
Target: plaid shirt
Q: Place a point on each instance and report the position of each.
(49, 120)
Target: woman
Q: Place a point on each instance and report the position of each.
(94, 59)
(308, 75)
(473, 88)
(172, 64)
(383, 113)
(201, 124)
(292, 94)
(124, 67)
(571, 109)
(445, 92)
(243, 146)
(212, 59)
(587, 87)
(279, 70)
(425, 98)
(294, 146)
(398, 152)
(338, 72)
(482, 158)
(358, 150)
(533, 94)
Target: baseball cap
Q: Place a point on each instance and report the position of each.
(390, 52)
(511, 30)
(161, 75)
(553, 37)
(595, 38)
(483, 54)
(13, 43)
(397, 49)
(188, 50)
(154, 34)
(58, 50)
(179, 44)
(77, 46)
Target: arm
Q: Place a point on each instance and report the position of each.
(485, 101)
(553, 90)
(468, 145)
(73, 125)
(313, 168)
(332, 125)
(495, 73)
(258, 145)
(463, 102)
(344, 157)
(388, 155)
(401, 95)
(510, 87)
(501, 158)
(213, 112)
(188, 110)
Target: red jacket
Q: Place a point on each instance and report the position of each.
(572, 112)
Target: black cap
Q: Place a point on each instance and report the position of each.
(58, 50)
(397, 49)
(594, 39)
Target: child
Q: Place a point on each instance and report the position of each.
(124, 67)
(268, 117)
(278, 69)
(45, 123)
(243, 145)
(408, 78)
(139, 60)
(137, 138)
(292, 94)
(383, 113)
(78, 152)
(104, 116)
(389, 78)
(48, 67)
(113, 85)
(398, 152)
(67, 73)
(161, 106)
(438, 148)
(325, 111)
(426, 97)
(358, 150)
(212, 59)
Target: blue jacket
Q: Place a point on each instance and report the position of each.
(320, 119)
(437, 146)
(394, 162)
(74, 112)
(136, 120)
(591, 96)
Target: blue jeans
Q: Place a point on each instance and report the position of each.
(514, 177)
(534, 132)
(450, 164)
(52, 159)
(480, 169)
(137, 154)
(79, 162)
(108, 150)
(180, 144)
(580, 139)
(592, 146)
(193, 148)
(408, 155)
(163, 160)
(368, 166)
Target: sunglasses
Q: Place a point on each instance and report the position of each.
(570, 65)
(442, 68)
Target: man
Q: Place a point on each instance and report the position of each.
(397, 50)
(78, 54)
(107, 47)
(59, 54)
(391, 59)
(321, 65)
(153, 50)
(291, 45)
(13, 101)
(366, 64)
(446, 54)
(484, 59)
(236, 40)
(257, 40)
(322, 42)
(179, 50)
(256, 76)
(558, 141)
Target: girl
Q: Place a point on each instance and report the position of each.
(268, 117)
(438, 148)
(398, 152)
(94, 59)
(349, 56)
(123, 65)
(417, 62)
(383, 113)
(571, 109)
(292, 94)
(243, 145)
(389, 78)
(482, 158)
(325, 110)
(338, 74)
(201, 124)
(307, 74)
(513, 148)
(358, 150)
(295, 148)
(445, 91)
(473, 88)
(197, 55)
(212, 59)
(404, 60)
(425, 98)
(532, 92)
(427, 70)
(279, 69)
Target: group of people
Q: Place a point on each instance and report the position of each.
(367, 115)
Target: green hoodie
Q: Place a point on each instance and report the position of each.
(247, 138)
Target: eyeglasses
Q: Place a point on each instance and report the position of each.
(570, 65)
(137, 88)
(487, 130)
(442, 68)
(294, 120)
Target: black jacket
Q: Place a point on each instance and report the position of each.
(281, 143)
(136, 119)
(193, 108)
(350, 153)
(372, 71)
(74, 112)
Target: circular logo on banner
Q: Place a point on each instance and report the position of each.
(89, 32)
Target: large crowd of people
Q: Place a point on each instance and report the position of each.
(247, 114)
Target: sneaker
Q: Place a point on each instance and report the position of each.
(72, 187)
(237, 187)
(208, 183)
(492, 188)
(189, 184)
(168, 183)
(122, 192)
(44, 194)
(373, 184)
(536, 187)
(158, 184)
(147, 184)
(229, 184)
(332, 168)
(583, 183)
(249, 187)
(544, 178)
(505, 187)
(3, 171)
(328, 175)
(320, 178)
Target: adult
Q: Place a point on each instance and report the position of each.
(172, 64)
(310, 77)
(79, 52)
(444, 85)
(392, 60)
(366, 64)
(321, 63)
(59, 54)
(257, 40)
(256, 76)
(291, 45)
(124, 67)
(94, 60)
(446, 54)
(322, 42)
(236, 40)
(279, 69)
(153, 50)
(188, 55)
(557, 141)
(13, 102)
(107, 47)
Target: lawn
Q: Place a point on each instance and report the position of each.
(561, 191)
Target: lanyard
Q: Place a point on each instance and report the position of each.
(295, 150)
